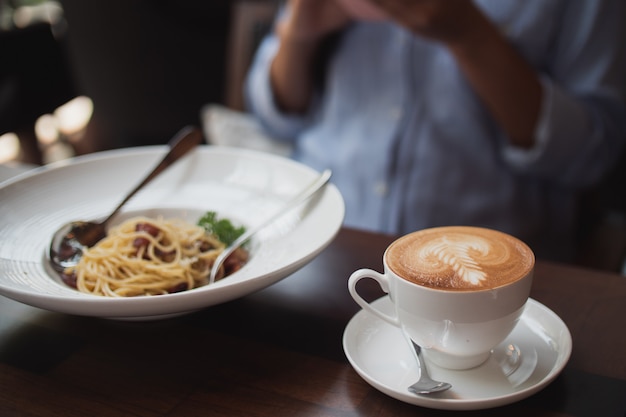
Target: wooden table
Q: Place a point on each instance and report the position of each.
(278, 352)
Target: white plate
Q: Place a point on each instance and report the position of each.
(242, 185)
(381, 356)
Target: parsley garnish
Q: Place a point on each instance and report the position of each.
(222, 229)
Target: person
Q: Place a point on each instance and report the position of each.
(495, 113)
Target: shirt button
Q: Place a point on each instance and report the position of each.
(395, 113)
(380, 188)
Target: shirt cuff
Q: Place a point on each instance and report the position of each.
(261, 100)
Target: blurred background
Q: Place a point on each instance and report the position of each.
(83, 76)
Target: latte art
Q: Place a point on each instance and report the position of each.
(459, 254)
(460, 258)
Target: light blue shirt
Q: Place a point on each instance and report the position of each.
(411, 145)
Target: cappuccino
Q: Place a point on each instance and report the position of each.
(460, 258)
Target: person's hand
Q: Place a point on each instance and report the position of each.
(312, 20)
(508, 86)
(363, 10)
(447, 21)
(302, 31)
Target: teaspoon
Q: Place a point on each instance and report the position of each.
(424, 385)
(69, 241)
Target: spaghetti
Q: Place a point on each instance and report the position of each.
(143, 256)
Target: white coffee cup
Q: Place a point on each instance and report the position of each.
(457, 291)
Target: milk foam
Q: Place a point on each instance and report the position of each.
(460, 258)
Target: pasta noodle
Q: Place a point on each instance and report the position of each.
(145, 256)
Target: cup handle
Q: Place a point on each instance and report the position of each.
(384, 285)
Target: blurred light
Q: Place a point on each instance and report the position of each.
(9, 147)
(74, 115)
(49, 11)
(57, 152)
(46, 129)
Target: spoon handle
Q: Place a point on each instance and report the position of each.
(311, 189)
(184, 141)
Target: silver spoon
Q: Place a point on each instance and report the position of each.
(425, 385)
(69, 241)
(307, 192)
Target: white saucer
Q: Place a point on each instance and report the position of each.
(381, 356)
